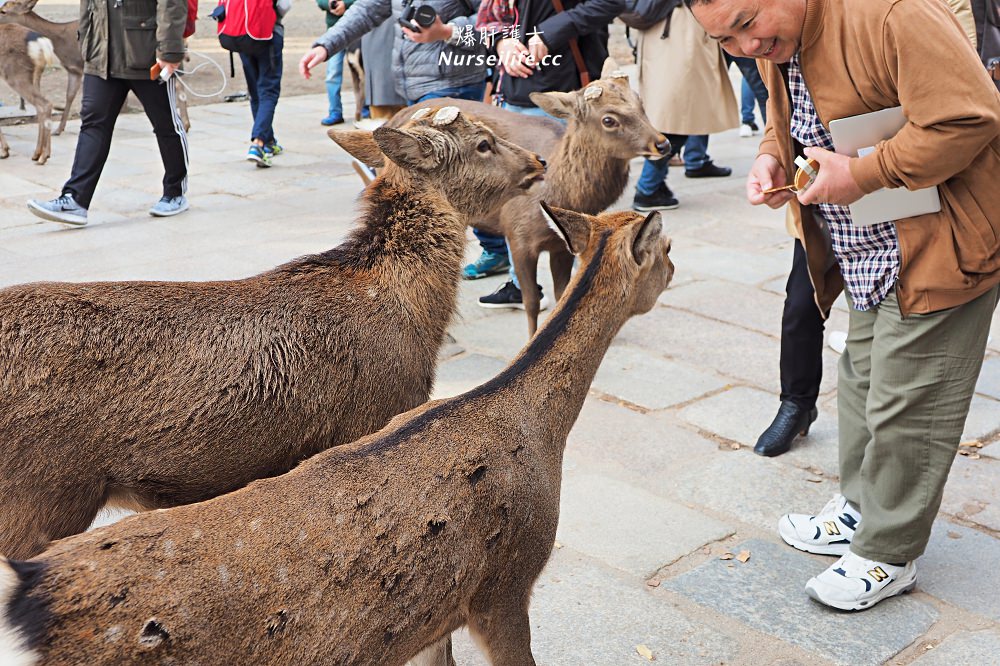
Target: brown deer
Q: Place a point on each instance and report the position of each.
(64, 42)
(153, 394)
(20, 54)
(588, 167)
(366, 553)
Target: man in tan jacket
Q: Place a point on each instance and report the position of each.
(922, 289)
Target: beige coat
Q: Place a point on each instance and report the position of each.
(962, 9)
(683, 79)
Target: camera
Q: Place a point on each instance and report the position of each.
(423, 15)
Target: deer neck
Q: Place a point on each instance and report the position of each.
(63, 35)
(581, 176)
(552, 375)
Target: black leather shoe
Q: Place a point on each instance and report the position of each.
(790, 421)
(709, 170)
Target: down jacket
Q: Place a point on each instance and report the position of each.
(122, 39)
(418, 68)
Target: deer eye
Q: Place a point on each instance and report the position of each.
(484, 146)
(608, 121)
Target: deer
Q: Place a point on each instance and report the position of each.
(145, 395)
(366, 553)
(21, 52)
(606, 126)
(64, 43)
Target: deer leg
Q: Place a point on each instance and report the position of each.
(37, 516)
(526, 269)
(438, 654)
(505, 634)
(4, 148)
(73, 82)
(561, 265)
(43, 110)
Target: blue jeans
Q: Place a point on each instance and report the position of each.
(334, 79)
(263, 74)
(473, 91)
(654, 173)
(696, 151)
(751, 79)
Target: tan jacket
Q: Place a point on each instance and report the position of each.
(683, 80)
(859, 56)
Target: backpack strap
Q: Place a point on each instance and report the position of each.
(574, 47)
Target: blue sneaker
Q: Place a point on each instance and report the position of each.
(273, 148)
(331, 120)
(168, 206)
(63, 209)
(259, 156)
(488, 263)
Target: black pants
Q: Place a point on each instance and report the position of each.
(102, 102)
(801, 336)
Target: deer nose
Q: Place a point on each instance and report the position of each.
(541, 160)
(663, 146)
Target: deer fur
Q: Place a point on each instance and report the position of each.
(588, 168)
(152, 394)
(18, 68)
(366, 553)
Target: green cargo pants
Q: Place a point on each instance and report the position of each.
(904, 389)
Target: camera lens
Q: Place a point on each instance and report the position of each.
(424, 16)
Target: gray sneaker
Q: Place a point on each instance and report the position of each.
(168, 206)
(63, 209)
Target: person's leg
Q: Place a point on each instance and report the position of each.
(251, 68)
(853, 381)
(334, 81)
(653, 175)
(747, 101)
(269, 88)
(751, 76)
(924, 370)
(695, 151)
(159, 100)
(493, 259)
(102, 102)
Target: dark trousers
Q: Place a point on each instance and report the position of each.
(748, 68)
(801, 336)
(263, 75)
(102, 102)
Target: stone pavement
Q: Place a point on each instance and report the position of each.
(660, 481)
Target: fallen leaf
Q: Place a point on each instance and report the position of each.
(974, 443)
(816, 470)
(974, 456)
(954, 535)
(653, 582)
(557, 545)
(963, 452)
(735, 446)
(645, 652)
(743, 556)
(729, 566)
(929, 646)
(726, 556)
(813, 479)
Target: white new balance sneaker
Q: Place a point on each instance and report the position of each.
(827, 533)
(854, 583)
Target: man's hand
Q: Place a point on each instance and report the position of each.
(435, 32)
(313, 57)
(337, 7)
(834, 184)
(766, 173)
(512, 53)
(537, 49)
(167, 69)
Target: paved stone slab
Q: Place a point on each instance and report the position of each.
(983, 422)
(729, 264)
(735, 303)
(989, 381)
(731, 351)
(752, 489)
(767, 594)
(642, 379)
(582, 613)
(960, 566)
(981, 648)
(973, 491)
(462, 374)
(627, 528)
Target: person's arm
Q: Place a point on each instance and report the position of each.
(950, 104)
(171, 16)
(582, 19)
(362, 17)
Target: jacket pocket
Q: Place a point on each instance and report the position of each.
(976, 240)
(140, 42)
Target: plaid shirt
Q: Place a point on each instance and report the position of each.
(868, 256)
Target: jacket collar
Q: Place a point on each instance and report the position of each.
(813, 24)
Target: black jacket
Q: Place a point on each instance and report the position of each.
(587, 20)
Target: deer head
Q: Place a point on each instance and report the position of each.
(10, 8)
(475, 170)
(609, 112)
(635, 242)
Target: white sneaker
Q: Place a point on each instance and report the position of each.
(746, 131)
(854, 583)
(827, 533)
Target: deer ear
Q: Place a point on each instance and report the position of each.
(610, 67)
(646, 236)
(572, 227)
(407, 149)
(360, 144)
(556, 104)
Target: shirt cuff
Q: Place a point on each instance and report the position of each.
(456, 33)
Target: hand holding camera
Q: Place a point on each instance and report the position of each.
(422, 24)
(337, 7)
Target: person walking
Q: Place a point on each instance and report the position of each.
(121, 42)
(922, 290)
(262, 70)
(333, 10)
